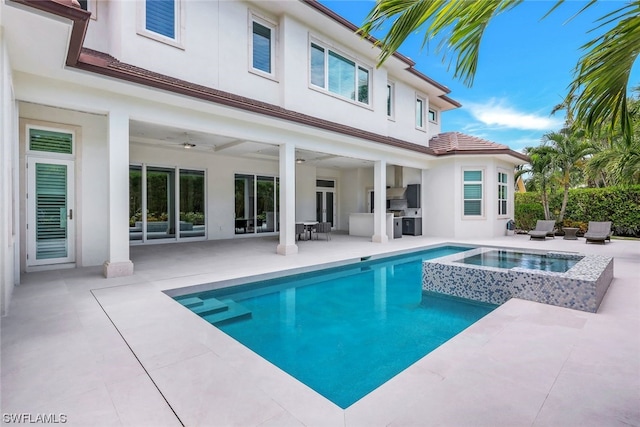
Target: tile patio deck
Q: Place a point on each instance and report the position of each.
(120, 352)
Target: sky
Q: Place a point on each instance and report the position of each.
(525, 67)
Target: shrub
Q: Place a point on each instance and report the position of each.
(620, 205)
(526, 215)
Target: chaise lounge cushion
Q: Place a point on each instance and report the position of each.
(543, 229)
(599, 231)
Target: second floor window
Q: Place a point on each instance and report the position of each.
(420, 113)
(160, 17)
(433, 116)
(262, 46)
(390, 100)
(338, 74)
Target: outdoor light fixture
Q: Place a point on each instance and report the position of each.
(188, 145)
(298, 161)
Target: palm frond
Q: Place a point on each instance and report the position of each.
(601, 77)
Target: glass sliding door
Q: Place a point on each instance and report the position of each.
(192, 202)
(265, 198)
(135, 202)
(174, 202)
(161, 203)
(256, 204)
(245, 212)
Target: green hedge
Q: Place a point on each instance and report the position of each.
(620, 205)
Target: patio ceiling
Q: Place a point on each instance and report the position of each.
(175, 138)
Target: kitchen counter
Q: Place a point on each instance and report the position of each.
(361, 224)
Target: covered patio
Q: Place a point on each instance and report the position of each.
(119, 351)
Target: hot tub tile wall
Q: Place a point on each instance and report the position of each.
(581, 288)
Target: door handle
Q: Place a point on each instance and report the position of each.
(70, 213)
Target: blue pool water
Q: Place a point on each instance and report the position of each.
(342, 331)
(510, 259)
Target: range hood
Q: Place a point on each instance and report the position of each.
(395, 193)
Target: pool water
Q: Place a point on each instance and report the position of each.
(531, 261)
(344, 331)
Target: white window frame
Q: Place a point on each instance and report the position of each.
(49, 154)
(505, 186)
(391, 100)
(273, 27)
(433, 113)
(422, 125)
(178, 25)
(482, 190)
(357, 65)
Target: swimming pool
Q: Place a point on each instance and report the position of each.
(531, 261)
(342, 331)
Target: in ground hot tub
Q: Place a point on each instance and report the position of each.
(494, 276)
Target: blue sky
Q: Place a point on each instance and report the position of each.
(525, 67)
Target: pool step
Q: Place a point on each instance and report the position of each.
(233, 313)
(190, 302)
(204, 307)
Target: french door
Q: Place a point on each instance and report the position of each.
(326, 201)
(50, 216)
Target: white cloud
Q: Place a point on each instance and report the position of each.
(496, 113)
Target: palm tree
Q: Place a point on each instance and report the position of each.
(570, 150)
(618, 163)
(598, 93)
(541, 170)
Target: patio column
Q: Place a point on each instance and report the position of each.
(287, 243)
(380, 202)
(118, 263)
(423, 199)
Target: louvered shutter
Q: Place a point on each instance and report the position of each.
(51, 211)
(161, 17)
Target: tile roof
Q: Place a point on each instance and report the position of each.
(455, 141)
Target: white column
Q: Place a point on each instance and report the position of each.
(287, 200)
(423, 199)
(380, 202)
(118, 263)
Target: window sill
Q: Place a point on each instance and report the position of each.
(162, 39)
(264, 75)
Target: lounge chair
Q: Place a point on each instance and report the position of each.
(599, 231)
(323, 227)
(543, 229)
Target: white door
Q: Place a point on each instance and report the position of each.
(50, 217)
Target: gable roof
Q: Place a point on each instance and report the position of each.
(448, 143)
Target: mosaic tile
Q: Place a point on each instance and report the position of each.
(582, 287)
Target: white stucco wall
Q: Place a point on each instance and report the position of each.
(444, 205)
(214, 51)
(8, 181)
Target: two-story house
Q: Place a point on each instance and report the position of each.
(140, 122)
